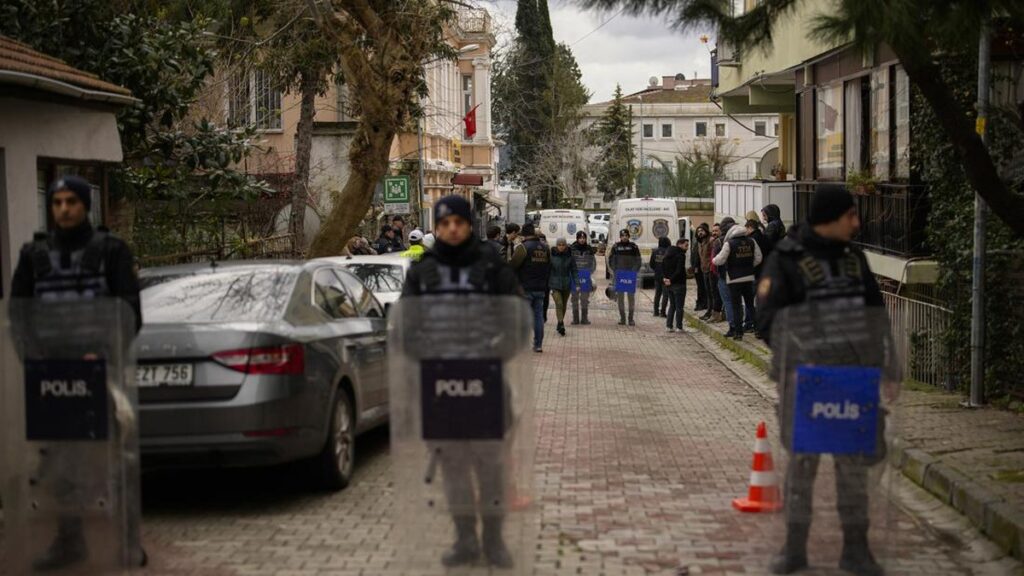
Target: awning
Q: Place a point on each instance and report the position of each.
(461, 179)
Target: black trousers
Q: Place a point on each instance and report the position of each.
(714, 298)
(661, 300)
(741, 292)
(676, 295)
(851, 489)
(702, 290)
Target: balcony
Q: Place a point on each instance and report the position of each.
(893, 219)
(474, 21)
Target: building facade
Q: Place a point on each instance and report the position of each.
(452, 161)
(675, 117)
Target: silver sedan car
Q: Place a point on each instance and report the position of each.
(259, 363)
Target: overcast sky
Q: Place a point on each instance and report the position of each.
(626, 50)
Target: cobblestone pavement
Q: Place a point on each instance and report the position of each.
(644, 438)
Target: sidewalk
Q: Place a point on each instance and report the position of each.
(970, 459)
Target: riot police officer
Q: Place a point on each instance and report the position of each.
(820, 265)
(625, 256)
(586, 262)
(460, 264)
(74, 263)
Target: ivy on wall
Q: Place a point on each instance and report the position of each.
(950, 233)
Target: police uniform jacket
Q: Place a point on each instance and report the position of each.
(625, 256)
(80, 264)
(473, 267)
(532, 262)
(584, 256)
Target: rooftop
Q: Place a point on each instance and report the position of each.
(21, 65)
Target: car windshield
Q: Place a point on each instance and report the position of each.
(379, 277)
(229, 295)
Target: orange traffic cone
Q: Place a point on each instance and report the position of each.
(763, 495)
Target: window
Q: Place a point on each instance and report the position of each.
(253, 101)
(879, 152)
(242, 293)
(648, 130)
(467, 98)
(363, 298)
(902, 124)
(854, 120)
(666, 130)
(379, 277)
(330, 296)
(775, 131)
(760, 128)
(829, 131)
(719, 130)
(701, 129)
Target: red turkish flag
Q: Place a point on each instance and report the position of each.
(470, 121)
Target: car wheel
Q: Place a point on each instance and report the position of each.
(337, 460)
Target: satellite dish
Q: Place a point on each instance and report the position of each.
(680, 76)
(653, 81)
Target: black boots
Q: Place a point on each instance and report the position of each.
(466, 548)
(794, 552)
(857, 557)
(561, 328)
(494, 545)
(575, 317)
(585, 320)
(67, 549)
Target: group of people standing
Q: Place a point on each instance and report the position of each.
(563, 274)
(728, 261)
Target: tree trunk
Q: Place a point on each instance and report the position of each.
(978, 165)
(368, 156)
(303, 150)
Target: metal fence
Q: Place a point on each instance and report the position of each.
(922, 341)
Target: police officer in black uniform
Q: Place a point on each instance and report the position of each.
(820, 264)
(460, 264)
(625, 256)
(74, 262)
(532, 263)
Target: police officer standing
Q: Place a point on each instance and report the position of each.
(820, 265)
(75, 262)
(586, 262)
(460, 264)
(625, 256)
(532, 263)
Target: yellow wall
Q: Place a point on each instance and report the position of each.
(792, 44)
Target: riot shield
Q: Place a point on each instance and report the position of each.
(69, 470)
(462, 434)
(838, 377)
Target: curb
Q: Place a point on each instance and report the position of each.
(1002, 523)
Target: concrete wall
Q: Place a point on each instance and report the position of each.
(33, 129)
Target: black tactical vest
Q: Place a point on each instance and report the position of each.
(740, 263)
(821, 283)
(84, 278)
(535, 270)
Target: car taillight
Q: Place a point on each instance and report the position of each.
(268, 360)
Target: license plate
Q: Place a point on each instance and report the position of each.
(153, 375)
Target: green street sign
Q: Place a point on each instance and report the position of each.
(396, 190)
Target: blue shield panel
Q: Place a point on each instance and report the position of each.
(625, 281)
(837, 410)
(583, 281)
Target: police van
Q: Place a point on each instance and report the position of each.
(562, 223)
(647, 220)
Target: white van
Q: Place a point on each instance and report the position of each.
(562, 223)
(647, 219)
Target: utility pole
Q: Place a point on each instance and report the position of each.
(977, 397)
(640, 172)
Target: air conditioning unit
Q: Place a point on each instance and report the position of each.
(727, 55)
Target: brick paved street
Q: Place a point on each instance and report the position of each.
(644, 439)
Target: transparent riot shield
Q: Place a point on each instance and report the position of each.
(69, 470)
(462, 434)
(838, 377)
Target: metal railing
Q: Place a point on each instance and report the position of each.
(474, 21)
(921, 332)
(894, 217)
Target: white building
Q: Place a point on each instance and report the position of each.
(674, 117)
